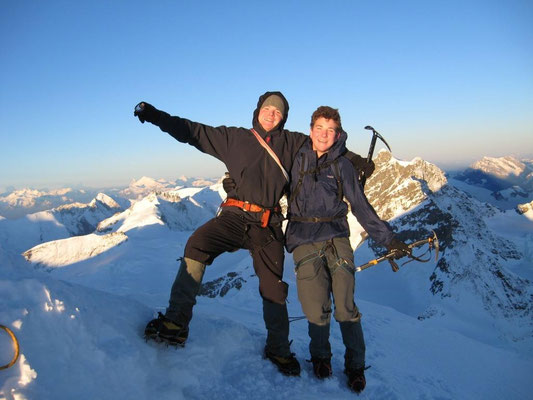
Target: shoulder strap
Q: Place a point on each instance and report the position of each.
(296, 190)
(337, 173)
(271, 152)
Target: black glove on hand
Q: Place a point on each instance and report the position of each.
(147, 112)
(228, 184)
(399, 248)
(360, 163)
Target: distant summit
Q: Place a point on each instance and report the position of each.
(182, 209)
(142, 187)
(67, 220)
(502, 167)
(504, 182)
(497, 174)
(26, 201)
(137, 189)
(18, 203)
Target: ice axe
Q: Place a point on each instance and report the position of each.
(375, 137)
(433, 242)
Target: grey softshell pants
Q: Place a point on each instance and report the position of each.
(326, 269)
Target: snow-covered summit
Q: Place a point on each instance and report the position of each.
(27, 201)
(59, 253)
(397, 186)
(500, 173)
(168, 209)
(501, 167)
(142, 187)
(23, 197)
(104, 200)
(194, 182)
(67, 220)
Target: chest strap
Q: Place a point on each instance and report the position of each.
(317, 219)
(250, 207)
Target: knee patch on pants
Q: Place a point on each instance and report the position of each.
(275, 292)
(195, 269)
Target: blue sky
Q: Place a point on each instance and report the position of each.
(448, 81)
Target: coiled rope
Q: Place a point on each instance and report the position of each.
(15, 347)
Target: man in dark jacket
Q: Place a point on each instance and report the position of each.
(250, 218)
(318, 236)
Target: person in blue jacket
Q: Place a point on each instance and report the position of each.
(318, 236)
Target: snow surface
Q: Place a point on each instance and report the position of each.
(85, 342)
(80, 326)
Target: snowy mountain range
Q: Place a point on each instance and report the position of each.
(92, 274)
(17, 203)
(505, 181)
(474, 259)
(64, 221)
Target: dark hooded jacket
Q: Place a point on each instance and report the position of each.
(258, 178)
(318, 196)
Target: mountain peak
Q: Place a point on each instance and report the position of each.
(105, 200)
(397, 186)
(501, 167)
(499, 173)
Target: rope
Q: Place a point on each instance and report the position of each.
(15, 347)
(292, 319)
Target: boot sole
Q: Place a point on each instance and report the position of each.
(280, 367)
(161, 339)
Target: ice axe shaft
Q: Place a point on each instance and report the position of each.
(375, 137)
(433, 242)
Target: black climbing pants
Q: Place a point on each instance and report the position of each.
(231, 231)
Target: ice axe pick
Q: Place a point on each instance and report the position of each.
(375, 137)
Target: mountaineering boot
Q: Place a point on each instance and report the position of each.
(356, 379)
(287, 365)
(321, 367)
(277, 348)
(165, 330)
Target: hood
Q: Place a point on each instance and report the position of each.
(255, 122)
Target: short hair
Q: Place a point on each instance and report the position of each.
(327, 113)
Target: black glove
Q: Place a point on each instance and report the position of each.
(399, 248)
(147, 112)
(360, 164)
(228, 184)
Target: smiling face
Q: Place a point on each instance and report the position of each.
(269, 117)
(323, 135)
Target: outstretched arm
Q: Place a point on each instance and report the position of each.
(208, 139)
